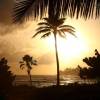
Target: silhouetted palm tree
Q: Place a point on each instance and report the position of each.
(54, 26)
(37, 8)
(28, 61)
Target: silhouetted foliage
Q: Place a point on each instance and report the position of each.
(84, 72)
(94, 66)
(28, 61)
(54, 25)
(23, 9)
(6, 76)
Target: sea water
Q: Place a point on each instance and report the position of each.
(48, 80)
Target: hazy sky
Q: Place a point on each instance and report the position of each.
(16, 41)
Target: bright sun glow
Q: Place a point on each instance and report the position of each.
(69, 48)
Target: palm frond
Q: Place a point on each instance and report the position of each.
(26, 8)
(42, 28)
(79, 8)
(46, 35)
(98, 8)
(58, 22)
(33, 62)
(69, 30)
(61, 19)
(43, 23)
(66, 26)
(61, 34)
(46, 19)
(72, 33)
(50, 21)
(21, 62)
(41, 31)
(21, 66)
(21, 10)
(36, 8)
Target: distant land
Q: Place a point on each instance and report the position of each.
(69, 71)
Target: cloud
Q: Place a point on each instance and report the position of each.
(6, 11)
(46, 59)
(6, 29)
(6, 19)
(6, 50)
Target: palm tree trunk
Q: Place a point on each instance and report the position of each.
(30, 78)
(57, 60)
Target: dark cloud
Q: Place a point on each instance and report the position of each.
(6, 8)
(12, 28)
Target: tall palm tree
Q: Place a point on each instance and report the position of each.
(54, 26)
(28, 62)
(37, 8)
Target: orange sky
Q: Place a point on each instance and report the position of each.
(19, 42)
(16, 41)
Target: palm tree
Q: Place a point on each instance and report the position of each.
(37, 8)
(54, 26)
(28, 62)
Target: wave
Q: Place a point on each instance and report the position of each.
(47, 80)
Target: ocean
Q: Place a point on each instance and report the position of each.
(48, 80)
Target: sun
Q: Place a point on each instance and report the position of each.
(69, 48)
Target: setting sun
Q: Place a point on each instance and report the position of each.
(69, 47)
